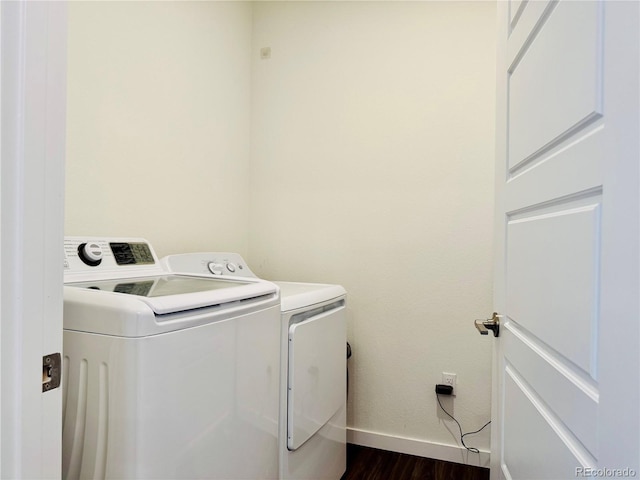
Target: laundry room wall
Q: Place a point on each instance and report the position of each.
(372, 143)
(158, 122)
(359, 152)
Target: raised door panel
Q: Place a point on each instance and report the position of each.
(555, 81)
(553, 260)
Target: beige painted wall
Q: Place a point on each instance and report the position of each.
(360, 153)
(372, 142)
(158, 122)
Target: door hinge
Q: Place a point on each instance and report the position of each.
(51, 371)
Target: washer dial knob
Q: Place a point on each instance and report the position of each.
(90, 253)
(215, 268)
(231, 267)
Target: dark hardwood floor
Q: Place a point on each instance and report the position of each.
(364, 463)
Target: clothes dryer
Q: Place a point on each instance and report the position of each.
(166, 375)
(312, 440)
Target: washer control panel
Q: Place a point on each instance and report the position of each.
(83, 254)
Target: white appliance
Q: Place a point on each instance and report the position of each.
(313, 367)
(165, 375)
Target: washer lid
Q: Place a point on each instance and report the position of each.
(172, 293)
(294, 295)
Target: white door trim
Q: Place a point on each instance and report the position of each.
(32, 145)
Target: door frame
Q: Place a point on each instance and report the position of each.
(32, 152)
(499, 241)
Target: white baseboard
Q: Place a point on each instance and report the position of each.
(421, 448)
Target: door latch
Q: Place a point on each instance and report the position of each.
(492, 324)
(51, 371)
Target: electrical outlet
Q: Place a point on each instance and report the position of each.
(449, 379)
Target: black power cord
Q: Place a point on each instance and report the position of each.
(348, 357)
(462, 435)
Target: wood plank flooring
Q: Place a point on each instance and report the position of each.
(364, 463)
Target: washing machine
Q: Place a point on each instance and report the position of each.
(166, 375)
(313, 367)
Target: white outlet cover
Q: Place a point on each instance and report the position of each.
(449, 379)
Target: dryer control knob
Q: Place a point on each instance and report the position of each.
(215, 268)
(90, 253)
(231, 267)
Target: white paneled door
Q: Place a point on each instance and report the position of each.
(566, 363)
